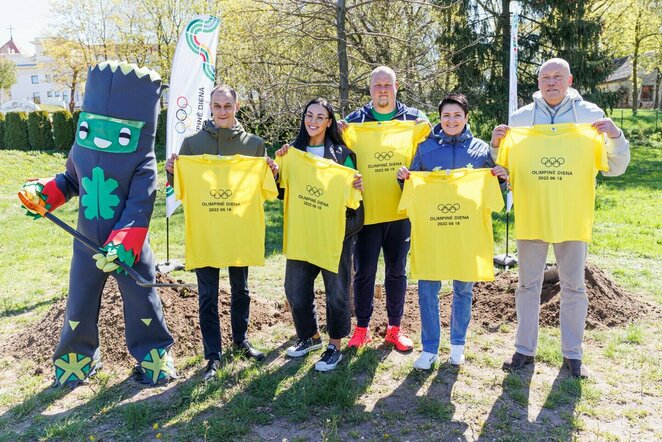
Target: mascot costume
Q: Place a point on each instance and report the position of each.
(112, 167)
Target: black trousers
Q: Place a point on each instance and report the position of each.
(210, 324)
(299, 289)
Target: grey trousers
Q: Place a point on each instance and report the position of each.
(570, 259)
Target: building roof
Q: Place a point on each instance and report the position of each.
(623, 71)
(9, 48)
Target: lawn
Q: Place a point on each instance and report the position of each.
(375, 394)
(646, 120)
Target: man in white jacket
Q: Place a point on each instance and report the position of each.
(557, 102)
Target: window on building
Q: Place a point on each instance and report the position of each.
(49, 94)
(57, 93)
(647, 93)
(47, 78)
(35, 79)
(36, 98)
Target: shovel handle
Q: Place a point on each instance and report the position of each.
(91, 244)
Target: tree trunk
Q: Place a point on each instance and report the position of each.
(505, 39)
(74, 83)
(635, 65)
(343, 65)
(658, 81)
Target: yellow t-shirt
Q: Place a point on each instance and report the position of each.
(223, 201)
(381, 148)
(552, 170)
(317, 191)
(451, 223)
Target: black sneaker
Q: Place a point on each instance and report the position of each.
(304, 346)
(329, 359)
(213, 365)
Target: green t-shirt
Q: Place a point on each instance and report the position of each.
(383, 117)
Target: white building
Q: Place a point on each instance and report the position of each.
(33, 80)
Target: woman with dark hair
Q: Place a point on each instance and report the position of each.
(451, 145)
(320, 138)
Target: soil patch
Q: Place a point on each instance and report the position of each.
(180, 307)
(493, 305)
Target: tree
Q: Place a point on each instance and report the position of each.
(634, 29)
(70, 63)
(7, 75)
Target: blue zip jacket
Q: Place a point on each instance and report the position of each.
(402, 112)
(451, 152)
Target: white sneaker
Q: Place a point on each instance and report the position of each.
(425, 361)
(457, 355)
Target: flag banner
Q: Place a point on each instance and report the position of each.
(191, 81)
(514, 29)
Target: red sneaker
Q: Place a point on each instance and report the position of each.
(398, 339)
(360, 337)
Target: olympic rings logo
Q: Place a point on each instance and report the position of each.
(383, 156)
(552, 162)
(221, 193)
(182, 115)
(315, 191)
(448, 208)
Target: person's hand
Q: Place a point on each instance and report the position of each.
(170, 164)
(106, 262)
(403, 173)
(273, 166)
(358, 181)
(500, 172)
(283, 150)
(607, 126)
(342, 125)
(499, 134)
(422, 120)
(31, 190)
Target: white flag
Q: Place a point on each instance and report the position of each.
(191, 81)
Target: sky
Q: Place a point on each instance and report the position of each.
(28, 18)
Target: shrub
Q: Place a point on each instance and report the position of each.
(161, 128)
(75, 117)
(40, 130)
(16, 131)
(63, 130)
(2, 130)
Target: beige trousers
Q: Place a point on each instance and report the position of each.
(570, 259)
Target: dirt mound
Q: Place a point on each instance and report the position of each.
(493, 305)
(180, 309)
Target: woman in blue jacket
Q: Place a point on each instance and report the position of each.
(451, 145)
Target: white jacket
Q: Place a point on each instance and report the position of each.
(573, 109)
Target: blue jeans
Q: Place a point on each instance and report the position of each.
(428, 302)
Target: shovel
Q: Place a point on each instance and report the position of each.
(506, 261)
(142, 282)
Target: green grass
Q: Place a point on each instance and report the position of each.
(35, 256)
(643, 121)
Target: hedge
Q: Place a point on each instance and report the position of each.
(2, 130)
(40, 130)
(161, 128)
(16, 131)
(63, 130)
(75, 117)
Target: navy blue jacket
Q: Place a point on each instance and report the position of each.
(402, 113)
(442, 151)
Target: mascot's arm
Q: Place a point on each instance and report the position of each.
(51, 192)
(128, 236)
